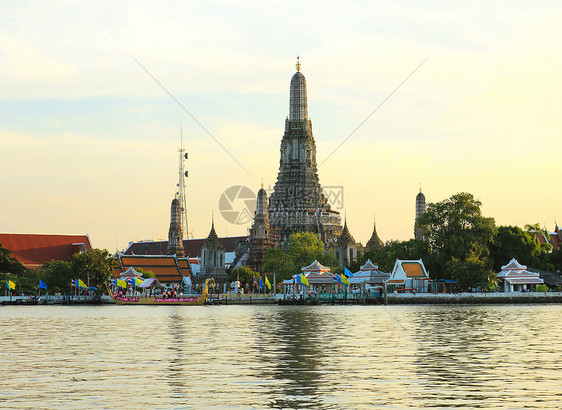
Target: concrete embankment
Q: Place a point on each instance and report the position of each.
(473, 298)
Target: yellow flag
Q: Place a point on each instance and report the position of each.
(267, 283)
(11, 285)
(121, 283)
(81, 284)
(304, 280)
(344, 279)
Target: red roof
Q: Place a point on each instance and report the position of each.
(33, 250)
(192, 247)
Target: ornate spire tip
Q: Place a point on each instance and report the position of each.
(298, 64)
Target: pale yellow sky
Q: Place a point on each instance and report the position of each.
(89, 141)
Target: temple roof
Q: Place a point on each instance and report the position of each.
(213, 240)
(345, 237)
(316, 267)
(375, 242)
(369, 266)
(33, 250)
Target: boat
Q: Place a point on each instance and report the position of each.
(163, 299)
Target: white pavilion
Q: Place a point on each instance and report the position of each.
(516, 278)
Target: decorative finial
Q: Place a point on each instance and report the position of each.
(262, 182)
(298, 64)
(420, 186)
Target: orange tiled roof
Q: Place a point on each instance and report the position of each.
(166, 268)
(412, 269)
(33, 250)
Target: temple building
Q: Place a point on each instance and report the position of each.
(212, 259)
(297, 203)
(420, 209)
(347, 250)
(262, 236)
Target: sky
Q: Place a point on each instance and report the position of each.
(89, 140)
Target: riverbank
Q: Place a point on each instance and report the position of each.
(323, 299)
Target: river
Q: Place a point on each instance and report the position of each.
(316, 357)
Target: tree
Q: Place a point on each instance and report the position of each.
(513, 242)
(302, 249)
(274, 261)
(471, 272)
(147, 274)
(57, 275)
(555, 259)
(94, 267)
(9, 264)
(386, 255)
(244, 274)
(455, 228)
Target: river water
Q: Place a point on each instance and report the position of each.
(281, 356)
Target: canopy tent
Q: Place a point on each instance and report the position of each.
(150, 283)
(130, 273)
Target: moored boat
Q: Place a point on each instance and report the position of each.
(163, 299)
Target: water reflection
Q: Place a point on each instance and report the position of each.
(282, 357)
(291, 337)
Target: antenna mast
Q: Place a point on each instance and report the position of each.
(181, 186)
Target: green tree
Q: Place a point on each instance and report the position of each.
(471, 272)
(274, 261)
(94, 267)
(455, 228)
(57, 276)
(147, 274)
(9, 264)
(386, 255)
(555, 259)
(301, 250)
(513, 242)
(244, 274)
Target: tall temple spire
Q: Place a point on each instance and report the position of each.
(297, 203)
(420, 209)
(175, 240)
(298, 105)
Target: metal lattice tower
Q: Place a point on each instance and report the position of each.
(181, 187)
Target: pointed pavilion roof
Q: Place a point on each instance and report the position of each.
(213, 240)
(369, 266)
(316, 267)
(375, 242)
(345, 237)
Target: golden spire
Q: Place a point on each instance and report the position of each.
(298, 64)
(262, 182)
(420, 186)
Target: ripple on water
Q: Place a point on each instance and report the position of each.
(281, 356)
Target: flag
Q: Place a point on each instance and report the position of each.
(73, 283)
(344, 280)
(42, 285)
(255, 281)
(347, 273)
(81, 284)
(261, 283)
(267, 283)
(10, 285)
(337, 278)
(302, 279)
(119, 282)
(136, 281)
